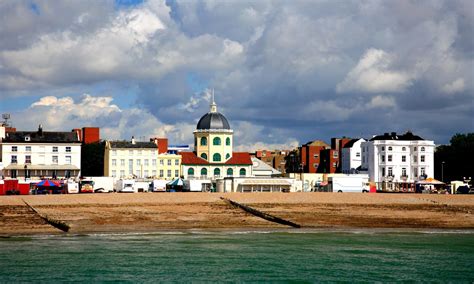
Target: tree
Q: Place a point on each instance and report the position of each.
(458, 158)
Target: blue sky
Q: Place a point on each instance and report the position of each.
(284, 73)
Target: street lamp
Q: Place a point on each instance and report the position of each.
(442, 171)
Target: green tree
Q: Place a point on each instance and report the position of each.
(455, 161)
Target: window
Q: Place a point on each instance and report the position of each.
(422, 171)
(316, 156)
(130, 152)
(114, 173)
(14, 148)
(242, 172)
(153, 173)
(28, 159)
(230, 172)
(122, 162)
(227, 156)
(114, 152)
(216, 157)
(190, 172)
(137, 173)
(114, 162)
(203, 172)
(383, 172)
(422, 149)
(55, 160)
(335, 154)
(404, 158)
(138, 162)
(146, 173)
(390, 172)
(414, 148)
(422, 157)
(55, 149)
(153, 162)
(415, 159)
(13, 174)
(203, 141)
(334, 165)
(227, 141)
(383, 158)
(204, 156)
(176, 162)
(383, 148)
(176, 173)
(68, 149)
(68, 160)
(315, 165)
(28, 148)
(404, 172)
(161, 173)
(169, 162)
(122, 173)
(162, 162)
(14, 159)
(358, 154)
(217, 172)
(404, 149)
(139, 152)
(389, 158)
(168, 172)
(130, 163)
(216, 141)
(390, 148)
(415, 172)
(146, 163)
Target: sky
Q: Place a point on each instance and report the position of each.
(283, 72)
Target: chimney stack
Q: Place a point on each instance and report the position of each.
(133, 140)
(40, 130)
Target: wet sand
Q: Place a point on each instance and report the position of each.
(142, 212)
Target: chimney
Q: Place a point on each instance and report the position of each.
(133, 140)
(40, 130)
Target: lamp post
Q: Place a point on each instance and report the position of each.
(442, 171)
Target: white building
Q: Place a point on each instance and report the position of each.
(398, 158)
(127, 159)
(37, 154)
(351, 157)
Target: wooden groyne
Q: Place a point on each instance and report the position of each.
(261, 214)
(63, 226)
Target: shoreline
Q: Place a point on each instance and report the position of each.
(165, 212)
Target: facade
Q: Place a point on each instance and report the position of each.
(275, 159)
(351, 156)
(310, 156)
(398, 158)
(132, 159)
(213, 155)
(40, 154)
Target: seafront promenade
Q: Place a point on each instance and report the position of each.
(114, 212)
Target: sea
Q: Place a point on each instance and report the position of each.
(302, 256)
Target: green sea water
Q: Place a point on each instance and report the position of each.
(238, 256)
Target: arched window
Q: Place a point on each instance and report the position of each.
(204, 156)
(242, 172)
(227, 141)
(190, 172)
(216, 141)
(422, 149)
(217, 172)
(404, 149)
(216, 157)
(203, 141)
(204, 172)
(227, 156)
(230, 172)
(390, 148)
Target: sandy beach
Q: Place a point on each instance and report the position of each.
(114, 212)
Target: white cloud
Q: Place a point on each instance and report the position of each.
(382, 102)
(373, 73)
(454, 87)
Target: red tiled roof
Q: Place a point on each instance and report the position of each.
(238, 158)
(189, 158)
